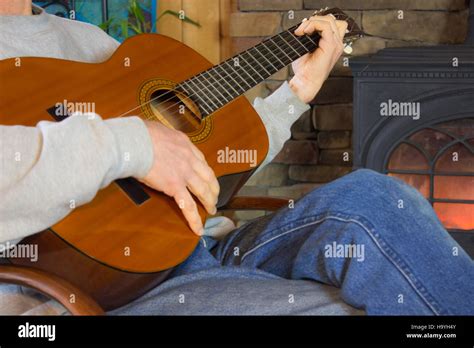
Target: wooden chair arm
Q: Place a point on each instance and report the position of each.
(52, 286)
(255, 203)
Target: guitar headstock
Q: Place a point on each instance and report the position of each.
(353, 32)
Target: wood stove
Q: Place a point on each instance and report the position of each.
(414, 119)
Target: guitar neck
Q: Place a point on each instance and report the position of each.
(219, 85)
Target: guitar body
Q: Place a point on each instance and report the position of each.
(114, 248)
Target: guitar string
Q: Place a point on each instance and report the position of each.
(291, 59)
(221, 78)
(285, 64)
(293, 37)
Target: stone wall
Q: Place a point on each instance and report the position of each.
(320, 148)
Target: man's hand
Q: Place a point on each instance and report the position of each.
(312, 69)
(178, 169)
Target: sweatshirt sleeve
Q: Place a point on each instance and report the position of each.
(278, 112)
(44, 169)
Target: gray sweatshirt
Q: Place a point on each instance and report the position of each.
(39, 176)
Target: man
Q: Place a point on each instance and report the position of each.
(285, 263)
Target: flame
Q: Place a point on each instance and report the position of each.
(457, 158)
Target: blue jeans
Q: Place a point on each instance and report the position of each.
(365, 243)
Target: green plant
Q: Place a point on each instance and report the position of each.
(137, 23)
(180, 17)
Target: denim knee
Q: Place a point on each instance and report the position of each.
(368, 193)
(369, 184)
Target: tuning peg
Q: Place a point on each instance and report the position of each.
(348, 48)
(320, 10)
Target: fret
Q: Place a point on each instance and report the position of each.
(198, 94)
(210, 96)
(273, 57)
(220, 85)
(206, 109)
(215, 88)
(274, 44)
(307, 42)
(271, 52)
(290, 46)
(237, 84)
(223, 79)
(283, 44)
(271, 64)
(309, 37)
(268, 72)
(250, 65)
(310, 42)
(237, 75)
(236, 92)
(297, 39)
(181, 88)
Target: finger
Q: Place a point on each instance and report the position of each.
(338, 26)
(342, 27)
(201, 190)
(300, 30)
(317, 25)
(337, 37)
(197, 152)
(332, 39)
(205, 171)
(209, 192)
(310, 26)
(185, 139)
(189, 208)
(207, 174)
(332, 22)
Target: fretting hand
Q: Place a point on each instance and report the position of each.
(312, 69)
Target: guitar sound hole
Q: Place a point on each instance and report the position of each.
(175, 110)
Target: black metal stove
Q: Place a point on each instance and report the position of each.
(414, 119)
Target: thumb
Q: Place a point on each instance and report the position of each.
(342, 27)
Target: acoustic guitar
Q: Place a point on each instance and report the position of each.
(130, 237)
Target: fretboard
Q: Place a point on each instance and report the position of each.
(217, 86)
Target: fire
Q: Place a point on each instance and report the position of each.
(441, 159)
(457, 216)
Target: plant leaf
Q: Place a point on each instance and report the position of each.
(135, 28)
(139, 14)
(106, 25)
(124, 27)
(177, 15)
